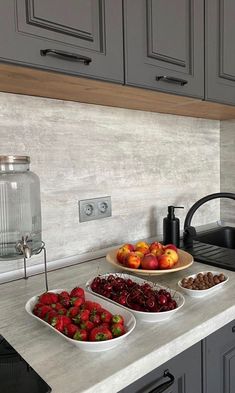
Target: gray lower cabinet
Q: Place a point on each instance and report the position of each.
(220, 52)
(206, 367)
(182, 374)
(81, 37)
(219, 360)
(164, 45)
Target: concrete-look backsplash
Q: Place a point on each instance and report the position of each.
(227, 174)
(145, 161)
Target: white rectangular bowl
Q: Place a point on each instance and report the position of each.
(203, 292)
(91, 346)
(144, 315)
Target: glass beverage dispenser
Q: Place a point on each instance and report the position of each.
(20, 209)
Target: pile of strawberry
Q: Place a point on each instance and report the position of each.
(78, 318)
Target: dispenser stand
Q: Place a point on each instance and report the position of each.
(42, 248)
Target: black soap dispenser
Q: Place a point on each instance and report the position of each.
(171, 227)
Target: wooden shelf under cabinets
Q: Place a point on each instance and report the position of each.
(29, 81)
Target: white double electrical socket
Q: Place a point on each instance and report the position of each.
(95, 208)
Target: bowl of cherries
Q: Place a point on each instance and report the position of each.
(149, 302)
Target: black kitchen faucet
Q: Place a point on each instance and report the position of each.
(190, 231)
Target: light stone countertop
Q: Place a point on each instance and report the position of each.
(68, 370)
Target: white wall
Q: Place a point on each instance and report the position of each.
(144, 160)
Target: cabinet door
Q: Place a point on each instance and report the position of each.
(220, 51)
(219, 349)
(84, 28)
(185, 368)
(165, 45)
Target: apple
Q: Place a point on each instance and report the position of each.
(156, 248)
(173, 254)
(149, 262)
(132, 260)
(172, 246)
(140, 254)
(165, 262)
(121, 255)
(129, 246)
(142, 247)
(123, 251)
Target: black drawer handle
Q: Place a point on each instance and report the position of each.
(66, 55)
(233, 329)
(171, 79)
(165, 385)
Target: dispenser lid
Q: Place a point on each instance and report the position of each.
(14, 159)
(171, 211)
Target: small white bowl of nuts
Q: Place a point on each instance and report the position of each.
(203, 283)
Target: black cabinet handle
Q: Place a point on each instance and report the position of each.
(66, 55)
(233, 329)
(172, 79)
(165, 385)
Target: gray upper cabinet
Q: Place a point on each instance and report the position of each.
(220, 51)
(82, 37)
(165, 45)
(184, 47)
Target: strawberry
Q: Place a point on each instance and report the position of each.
(62, 311)
(49, 298)
(100, 333)
(70, 330)
(105, 316)
(82, 316)
(95, 318)
(59, 308)
(77, 292)
(51, 314)
(36, 308)
(87, 325)
(43, 310)
(73, 311)
(117, 329)
(92, 306)
(76, 301)
(59, 322)
(117, 319)
(80, 335)
(64, 299)
(105, 324)
(64, 294)
(66, 320)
